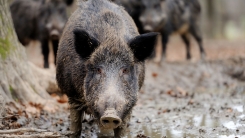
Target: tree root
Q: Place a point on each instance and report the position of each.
(33, 136)
(8, 117)
(42, 133)
(21, 130)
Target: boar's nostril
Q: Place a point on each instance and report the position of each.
(106, 121)
(116, 122)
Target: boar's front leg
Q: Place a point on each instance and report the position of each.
(55, 48)
(45, 52)
(76, 122)
(186, 40)
(195, 31)
(121, 130)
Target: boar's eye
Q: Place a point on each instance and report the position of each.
(61, 10)
(98, 70)
(125, 70)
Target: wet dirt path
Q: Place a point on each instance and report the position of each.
(179, 99)
(190, 100)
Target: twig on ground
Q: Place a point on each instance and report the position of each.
(33, 136)
(21, 130)
(8, 116)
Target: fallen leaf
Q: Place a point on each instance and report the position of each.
(154, 74)
(63, 99)
(191, 101)
(171, 93)
(55, 96)
(182, 91)
(229, 110)
(166, 111)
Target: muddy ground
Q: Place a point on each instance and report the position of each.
(179, 99)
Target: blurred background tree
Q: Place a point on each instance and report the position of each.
(20, 81)
(223, 19)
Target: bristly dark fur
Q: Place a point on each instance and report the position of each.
(100, 62)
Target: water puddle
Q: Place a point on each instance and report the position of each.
(231, 136)
(224, 123)
(191, 127)
(232, 125)
(239, 108)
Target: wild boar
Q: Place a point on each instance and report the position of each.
(100, 64)
(173, 16)
(41, 20)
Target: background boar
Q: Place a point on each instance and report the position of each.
(173, 16)
(100, 64)
(41, 20)
(134, 8)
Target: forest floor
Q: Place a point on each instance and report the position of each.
(179, 98)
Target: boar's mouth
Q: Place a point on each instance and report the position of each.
(160, 26)
(156, 28)
(54, 34)
(148, 28)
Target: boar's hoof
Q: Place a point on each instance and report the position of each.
(46, 65)
(110, 121)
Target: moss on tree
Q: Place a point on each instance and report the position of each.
(5, 47)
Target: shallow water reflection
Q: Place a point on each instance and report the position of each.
(189, 127)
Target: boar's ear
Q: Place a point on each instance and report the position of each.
(143, 45)
(84, 43)
(68, 2)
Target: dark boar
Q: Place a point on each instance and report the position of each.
(41, 20)
(100, 64)
(173, 16)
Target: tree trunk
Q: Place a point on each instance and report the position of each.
(20, 81)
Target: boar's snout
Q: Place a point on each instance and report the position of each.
(54, 34)
(110, 120)
(147, 24)
(148, 28)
